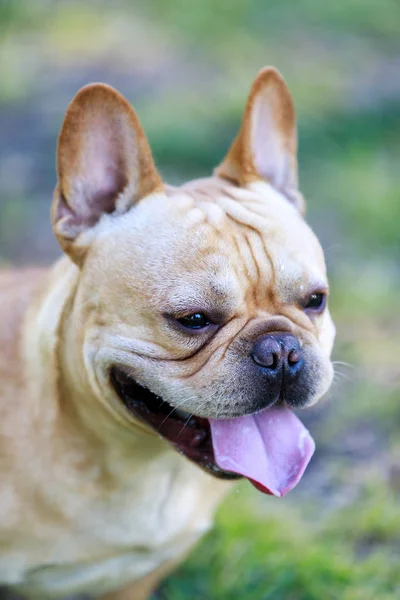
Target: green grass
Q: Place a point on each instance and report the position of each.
(337, 535)
(266, 551)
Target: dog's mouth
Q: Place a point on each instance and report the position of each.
(190, 435)
(270, 448)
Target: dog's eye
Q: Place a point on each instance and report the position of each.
(194, 321)
(316, 302)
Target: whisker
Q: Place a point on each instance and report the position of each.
(344, 364)
(186, 423)
(207, 399)
(173, 410)
(337, 375)
(190, 416)
(333, 247)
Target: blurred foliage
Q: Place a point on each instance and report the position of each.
(281, 555)
(187, 67)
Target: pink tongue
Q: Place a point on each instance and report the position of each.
(271, 448)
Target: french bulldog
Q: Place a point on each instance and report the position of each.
(162, 355)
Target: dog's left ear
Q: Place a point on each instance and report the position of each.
(104, 165)
(266, 145)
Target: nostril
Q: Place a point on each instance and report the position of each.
(267, 352)
(294, 357)
(270, 360)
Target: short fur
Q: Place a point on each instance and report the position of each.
(91, 500)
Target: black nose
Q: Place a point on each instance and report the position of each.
(278, 352)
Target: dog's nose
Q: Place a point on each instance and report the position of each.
(277, 352)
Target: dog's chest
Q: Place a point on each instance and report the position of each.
(117, 541)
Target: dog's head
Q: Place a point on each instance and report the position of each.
(200, 304)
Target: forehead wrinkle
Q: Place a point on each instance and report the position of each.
(204, 200)
(255, 225)
(247, 209)
(241, 229)
(257, 273)
(219, 194)
(246, 256)
(249, 241)
(252, 228)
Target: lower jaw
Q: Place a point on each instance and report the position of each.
(191, 436)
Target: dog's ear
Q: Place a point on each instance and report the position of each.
(104, 165)
(266, 145)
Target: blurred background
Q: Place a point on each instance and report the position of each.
(187, 68)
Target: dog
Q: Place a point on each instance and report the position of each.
(161, 357)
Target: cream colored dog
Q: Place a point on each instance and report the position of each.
(160, 356)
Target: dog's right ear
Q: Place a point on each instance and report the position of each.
(266, 145)
(104, 165)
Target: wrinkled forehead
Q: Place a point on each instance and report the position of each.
(231, 237)
(257, 224)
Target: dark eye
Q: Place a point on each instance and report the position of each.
(195, 321)
(316, 302)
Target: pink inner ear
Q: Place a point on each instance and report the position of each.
(90, 200)
(268, 144)
(103, 166)
(100, 173)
